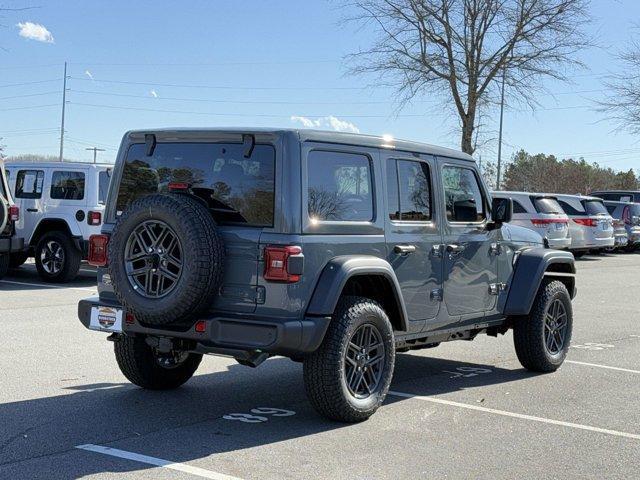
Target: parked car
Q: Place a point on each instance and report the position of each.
(9, 215)
(618, 195)
(62, 205)
(627, 215)
(333, 249)
(542, 214)
(591, 226)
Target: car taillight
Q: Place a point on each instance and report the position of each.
(543, 222)
(94, 218)
(587, 222)
(14, 213)
(283, 264)
(98, 250)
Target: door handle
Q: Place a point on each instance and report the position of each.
(455, 248)
(33, 210)
(404, 249)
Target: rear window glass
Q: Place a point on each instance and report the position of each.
(611, 209)
(412, 201)
(236, 189)
(547, 205)
(635, 209)
(103, 185)
(67, 185)
(29, 183)
(594, 207)
(570, 209)
(339, 187)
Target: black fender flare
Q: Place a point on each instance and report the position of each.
(339, 270)
(532, 265)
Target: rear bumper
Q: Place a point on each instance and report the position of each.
(559, 243)
(232, 336)
(11, 244)
(593, 243)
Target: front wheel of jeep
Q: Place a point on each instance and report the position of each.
(542, 338)
(147, 368)
(348, 377)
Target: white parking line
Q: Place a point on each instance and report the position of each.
(521, 416)
(158, 462)
(603, 366)
(48, 286)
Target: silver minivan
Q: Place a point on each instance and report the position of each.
(542, 214)
(628, 214)
(590, 225)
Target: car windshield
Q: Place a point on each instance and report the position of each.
(594, 207)
(236, 189)
(547, 205)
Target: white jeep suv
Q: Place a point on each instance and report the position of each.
(62, 205)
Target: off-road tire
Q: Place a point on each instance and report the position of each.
(138, 362)
(72, 258)
(4, 265)
(528, 330)
(203, 261)
(324, 377)
(17, 260)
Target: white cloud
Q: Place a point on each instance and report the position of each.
(35, 31)
(153, 93)
(329, 122)
(88, 74)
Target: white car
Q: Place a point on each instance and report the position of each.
(61, 205)
(542, 214)
(591, 226)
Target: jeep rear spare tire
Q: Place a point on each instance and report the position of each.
(165, 258)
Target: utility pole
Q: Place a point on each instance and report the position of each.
(504, 74)
(64, 104)
(95, 151)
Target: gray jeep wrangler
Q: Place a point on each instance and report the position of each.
(333, 249)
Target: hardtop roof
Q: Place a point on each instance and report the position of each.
(325, 136)
(58, 164)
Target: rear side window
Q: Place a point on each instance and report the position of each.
(569, 209)
(518, 207)
(547, 205)
(339, 187)
(463, 197)
(67, 185)
(594, 207)
(29, 183)
(409, 191)
(611, 209)
(104, 178)
(236, 189)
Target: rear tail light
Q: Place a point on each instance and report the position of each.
(98, 250)
(14, 213)
(94, 218)
(178, 186)
(587, 222)
(283, 264)
(543, 222)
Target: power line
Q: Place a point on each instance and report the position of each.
(28, 95)
(215, 87)
(248, 102)
(29, 107)
(221, 114)
(6, 85)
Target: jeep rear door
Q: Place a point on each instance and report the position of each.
(412, 234)
(471, 248)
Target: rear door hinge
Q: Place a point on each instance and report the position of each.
(436, 294)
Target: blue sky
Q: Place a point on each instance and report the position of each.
(255, 63)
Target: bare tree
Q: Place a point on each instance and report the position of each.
(459, 50)
(623, 100)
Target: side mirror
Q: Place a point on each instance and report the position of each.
(501, 210)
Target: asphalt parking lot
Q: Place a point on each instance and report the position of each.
(462, 410)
